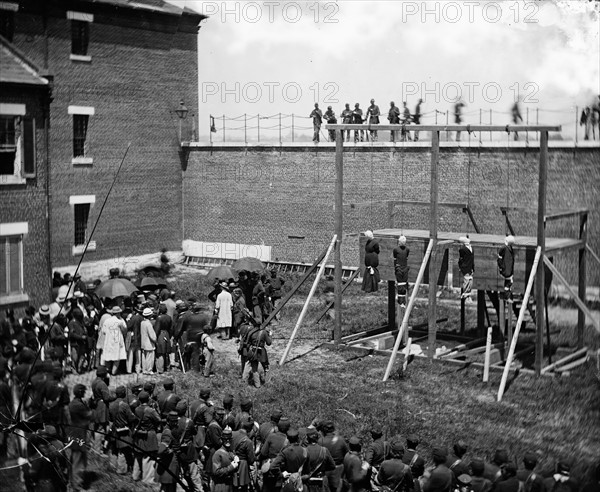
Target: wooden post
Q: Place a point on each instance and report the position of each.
(339, 231)
(310, 294)
(408, 344)
(541, 243)
(411, 303)
(502, 324)
(509, 319)
(391, 304)
(433, 226)
(462, 315)
(488, 351)
(582, 285)
(513, 345)
(481, 311)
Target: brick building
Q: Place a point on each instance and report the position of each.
(120, 70)
(24, 243)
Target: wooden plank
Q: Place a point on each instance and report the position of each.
(433, 236)
(591, 251)
(575, 297)
(574, 355)
(339, 231)
(582, 281)
(572, 365)
(449, 128)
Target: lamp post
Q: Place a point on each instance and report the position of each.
(182, 112)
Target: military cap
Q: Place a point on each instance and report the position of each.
(227, 434)
(412, 440)
(563, 466)
(397, 447)
(328, 426)
(144, 396)
(149, 387)
(220, 411)
(354, 440)
(228, 400)
(204, 393)
(173, 415)
(530, 459)
(168, 382)
(276, 415)
(477, 466)
(181, 407)
(245, 403)
(460, 447)
(440, 452)
(377, 431)
(284, 424)
(248, 423)
(510, 468)
(79, 389)
(292, 433)
(101, 371)
(311, 431)
(500, 456)
(121, 392)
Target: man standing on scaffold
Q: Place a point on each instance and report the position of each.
(401, 269)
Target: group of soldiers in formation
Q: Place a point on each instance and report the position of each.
(371, 117)
(160, 438)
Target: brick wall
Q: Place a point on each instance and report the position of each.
(135, 80)
(266, 194)
(27, 203)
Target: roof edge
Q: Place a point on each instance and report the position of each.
(24, 60)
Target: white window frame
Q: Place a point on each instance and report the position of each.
(81, 110)
(82, 17)
(15, 229)
(78, 249)
(16, 111)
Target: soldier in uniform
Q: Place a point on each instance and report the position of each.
(183, 434)
(269, 427)
(318, 462)
(201, 412)
(506, 265)
(379, 449)
(455, 461)
(289, 461)
(401, 269)
(529, 480)
(508, 481)
(230, 414)
(372, 117)
(167, 400)
(338, 448)
(123, 420)
(214, 430)
(272, 446)
(145, 440)
(356, 473)
(101, 397)
(347, 117)
(81, 417)
(56, 402)
(393, 473)
(243, 447)
(257, 340)
(167, 464)
(410, 455)
(440, 478)
(46, 464)
(224, 465)
(478, 482)
(492, 470)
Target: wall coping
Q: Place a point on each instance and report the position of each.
(398, 146)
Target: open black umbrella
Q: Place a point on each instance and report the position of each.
(248, 263)
(149, 283)
(115, 287)
(222, 272)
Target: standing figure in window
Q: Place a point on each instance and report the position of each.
(466, 265)
(506, 265)
(371, 274)
(401, 269)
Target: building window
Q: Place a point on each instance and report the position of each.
(17, 144)
(81, 214)
(11, 262)
(80, 126)
(80, 37)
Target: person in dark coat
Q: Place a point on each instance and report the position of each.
(317, 117)
(378, 451)
(338, 448)
(508, 481)
(455, 460)
(167, 400)
(145, 440)
(401, 269)
(164, 329)
(393, 473)
(46, 470)
(372, 118)
(58, 340)
(416, 117)
(193, 327)
(290, 461)
(270, 449)
(411, 456)
(506, 265)
(466, 265)
(478, 482)
(81, 417)
(357, 119)
(440, 478)
(238, 311)
(561, 480)
(167, 464)
(184, 433)
(276, 287)
(356, 473)
(134, 350)
(123, 420)
(101, 397)
(243, 447)
(371, 277)
(78, 339)
(318, 462)
(257, 341)
(394, 119)
(493, 470)
(224, 465)
(329, 117)
(529, 480)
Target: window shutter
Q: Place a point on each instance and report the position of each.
(29, 160)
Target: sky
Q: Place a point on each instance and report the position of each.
(270, 57)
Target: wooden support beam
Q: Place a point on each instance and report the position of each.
(394, 203)
(339, 231)
(563, 214)
(570, 357)
(346, 285)
(411, 303)
(461, 347)
(540, 323)
(572, 365)
(591, 251)
(580, 304)
(433, 237)
(448, 128)
(513, 345)
(305, 308)
(391, 303)
(530, 348)
(582, 284)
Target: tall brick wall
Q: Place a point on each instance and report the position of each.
(135, 80)
(27, 203)
(267, 194)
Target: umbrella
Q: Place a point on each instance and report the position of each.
(222, 272)
(115, 287)
(148, 283)
(248, 263)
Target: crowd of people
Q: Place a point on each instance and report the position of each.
(159, 437)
